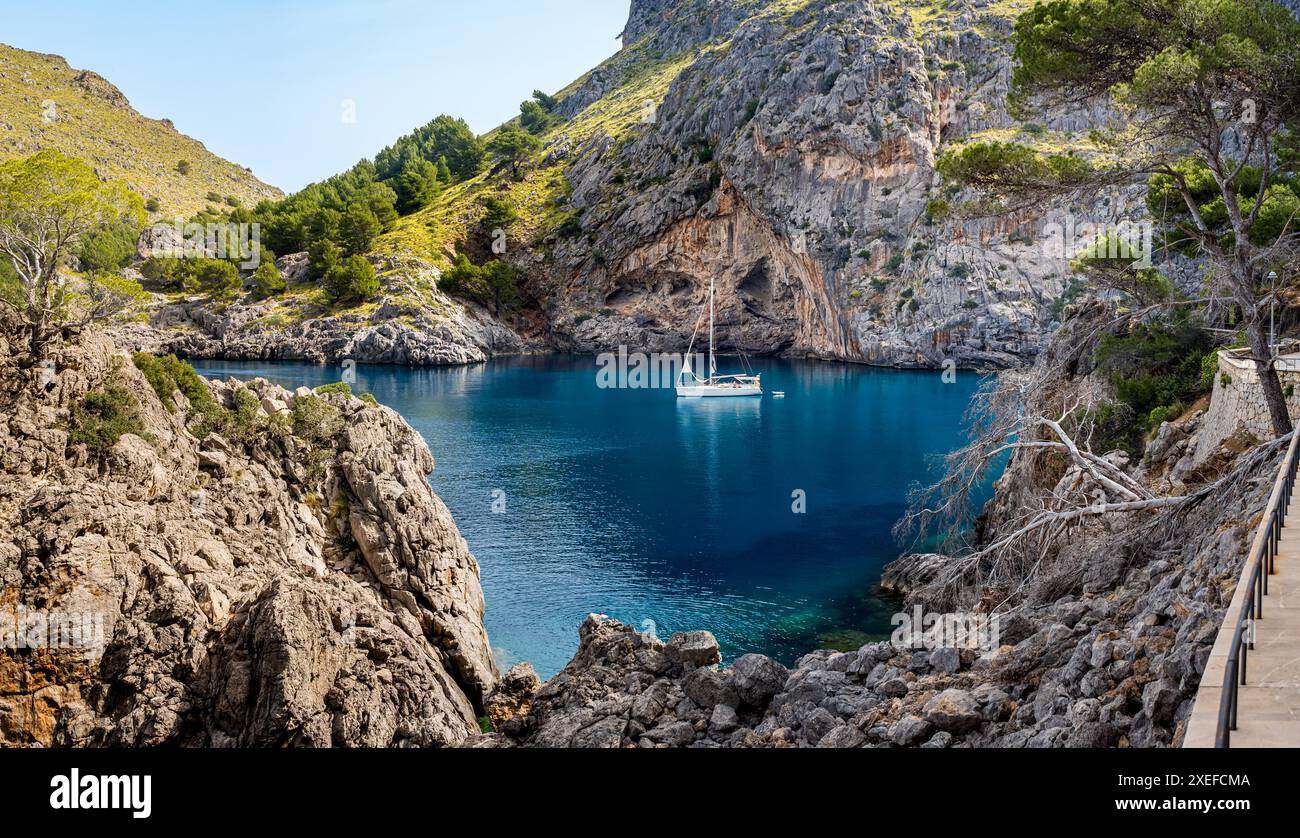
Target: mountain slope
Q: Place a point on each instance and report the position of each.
(45, 104)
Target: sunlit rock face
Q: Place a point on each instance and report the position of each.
(296, 584)
(792, 161)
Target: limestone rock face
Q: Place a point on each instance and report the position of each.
(292, 582)
(792, 162)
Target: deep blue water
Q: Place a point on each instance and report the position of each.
(648, 508)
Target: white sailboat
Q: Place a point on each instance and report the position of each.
(692, 386)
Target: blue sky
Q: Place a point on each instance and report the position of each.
(264, 84)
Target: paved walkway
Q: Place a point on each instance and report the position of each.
(1268, 705)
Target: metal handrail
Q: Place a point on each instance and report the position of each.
(1262, 563)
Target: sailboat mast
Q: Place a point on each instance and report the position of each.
(713, 367)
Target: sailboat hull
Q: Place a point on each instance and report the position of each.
(714, 391)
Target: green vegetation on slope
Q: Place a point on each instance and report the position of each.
(45, 104)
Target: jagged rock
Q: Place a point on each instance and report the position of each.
(508, 703)
(694, 648)
(1160, 699)
(232, 612)
(955, 711)
(606, 733)
(893, 688)
(909, 731)
(724, 719)
(708, 687)
(945, 660)
(758, 678)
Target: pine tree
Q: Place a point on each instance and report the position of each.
(358, 228)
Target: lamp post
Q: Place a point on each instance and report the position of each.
(1272, 304)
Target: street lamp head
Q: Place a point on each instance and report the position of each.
(1272, 276)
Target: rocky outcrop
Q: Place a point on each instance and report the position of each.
(409, 325)
(793, 162)
(289, 580)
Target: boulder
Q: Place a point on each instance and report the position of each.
(953, 710)
(758, 678)
(694, 648)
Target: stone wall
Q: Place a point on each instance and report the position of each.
(1238, 402)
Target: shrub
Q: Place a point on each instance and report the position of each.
(183, 167)
(571, 226)
(317, 423)
(109, 248)
(1165, 413)
(167, 374)
(245, 424)
(11, 288)
(1156, 369)
(100, 419)
(352, 281)
(1209, 365)
(337, 387)
(215, 276)
(937, 209)
(267, 280)
(163, 269)
(499, 213)
(492, 283)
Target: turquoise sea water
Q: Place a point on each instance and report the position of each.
(676, 514)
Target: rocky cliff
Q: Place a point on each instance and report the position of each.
(791, 158)
(242, 567)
